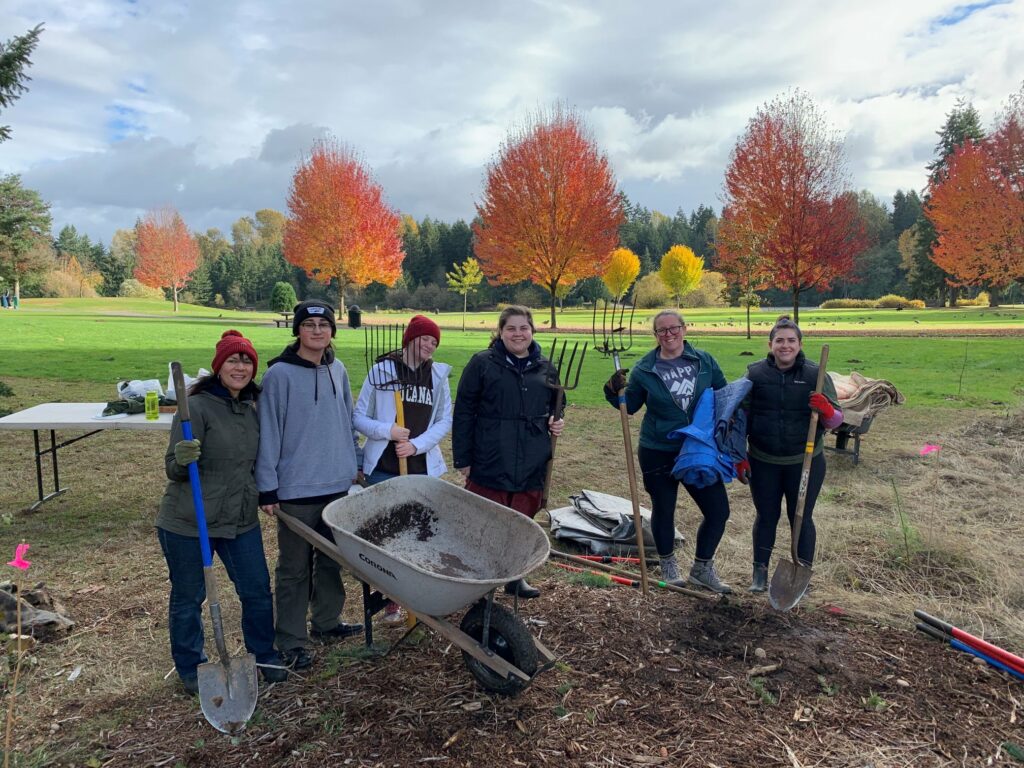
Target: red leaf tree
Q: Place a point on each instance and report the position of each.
(166, 252)
(978, 217)
(786, 182)
(740, 258)
(339, 225)
(550, 211)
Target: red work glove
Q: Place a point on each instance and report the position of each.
(821, 404)
(743, 472)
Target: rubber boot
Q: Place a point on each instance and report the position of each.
(702, 574)
(759, 581)
(522, 588)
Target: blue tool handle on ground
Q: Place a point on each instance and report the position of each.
(961, 646)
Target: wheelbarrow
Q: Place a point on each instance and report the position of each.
(436, 549)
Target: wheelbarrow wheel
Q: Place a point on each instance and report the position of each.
(507, 638)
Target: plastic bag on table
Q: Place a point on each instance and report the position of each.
(189, 381)
(138, 388)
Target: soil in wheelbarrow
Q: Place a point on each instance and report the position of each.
(397, 521)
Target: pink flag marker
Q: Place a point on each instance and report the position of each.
(929, 448)
(19, 560)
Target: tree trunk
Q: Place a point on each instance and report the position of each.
(341, 300)
(994, 297)
(17, 293)
(554, 290)
(174, 293)
(465, 300)
(748, 318)
(796, 306)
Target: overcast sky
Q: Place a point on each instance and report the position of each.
(209, 105)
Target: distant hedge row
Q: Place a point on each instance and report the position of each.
(889, 301)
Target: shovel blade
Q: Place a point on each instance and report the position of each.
(227, 693)
(788, 585)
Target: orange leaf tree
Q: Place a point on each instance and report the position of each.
(787, 179)
(623, 268)
(550, 211)
(339, 225)
(979, 220)
(741, 259)
(166, 252)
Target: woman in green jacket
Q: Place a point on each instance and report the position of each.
(222, 408)
(669, 380)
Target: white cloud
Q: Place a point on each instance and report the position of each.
(209, 106)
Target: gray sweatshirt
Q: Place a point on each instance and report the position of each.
(308, 446)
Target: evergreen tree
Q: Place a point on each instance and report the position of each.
(14, 60)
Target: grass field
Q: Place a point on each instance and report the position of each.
(896, 532)
(79, 341)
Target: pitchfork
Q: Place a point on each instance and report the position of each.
(380, 344)
(612, 343)
(567, 371)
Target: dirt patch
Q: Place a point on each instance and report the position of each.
(396, 521)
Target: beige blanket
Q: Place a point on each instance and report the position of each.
(861, 397)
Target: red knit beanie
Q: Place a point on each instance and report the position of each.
(421, 326)
(231, 343)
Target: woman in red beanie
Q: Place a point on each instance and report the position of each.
(427, 407)
(222, 409)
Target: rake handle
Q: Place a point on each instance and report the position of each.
(634, 493)
(805, 472)
(559, 399)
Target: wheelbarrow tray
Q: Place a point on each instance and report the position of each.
(441, 561)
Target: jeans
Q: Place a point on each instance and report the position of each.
(378, 476)
(769, 484)
(663, 489)
(305, 578)
(246, 565)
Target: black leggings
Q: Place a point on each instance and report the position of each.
(769, 484)
(712, 501)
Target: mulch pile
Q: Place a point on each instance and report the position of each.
(666, 681)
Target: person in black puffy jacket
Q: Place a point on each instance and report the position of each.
(503, 421)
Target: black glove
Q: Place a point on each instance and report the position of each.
(617, 382)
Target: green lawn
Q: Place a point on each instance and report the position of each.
(106, 340)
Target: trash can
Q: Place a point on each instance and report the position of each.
(355, 316)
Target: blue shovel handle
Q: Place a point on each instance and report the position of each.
(181, 394)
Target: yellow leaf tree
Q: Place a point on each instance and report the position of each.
(681, 271)
(623, 268)
(463, 279)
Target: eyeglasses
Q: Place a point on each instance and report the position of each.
(309, 325)
(673, 329)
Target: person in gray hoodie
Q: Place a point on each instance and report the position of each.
(308, 456)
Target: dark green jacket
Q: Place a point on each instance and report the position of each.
(663, 415)
(229, 433)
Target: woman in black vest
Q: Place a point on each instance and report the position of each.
(779, 411)
(503, 421)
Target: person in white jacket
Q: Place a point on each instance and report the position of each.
(426, 403)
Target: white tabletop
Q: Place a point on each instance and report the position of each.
(80, 416)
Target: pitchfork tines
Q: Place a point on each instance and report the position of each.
(616, 329)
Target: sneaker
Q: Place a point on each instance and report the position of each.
(191, 684)
(274, 672)
(297, 658)
(392, 613)
(702, 574)
(340, 632)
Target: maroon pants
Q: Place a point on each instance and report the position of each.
(526, 502)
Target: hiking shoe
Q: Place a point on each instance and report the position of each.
(191, 684)
(392, 613)
(522, 588)
(297, 658)
(702, 574)
(274, 673)
(340, 632)
(670, 569)
(759, 581)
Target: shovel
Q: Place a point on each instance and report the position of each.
(791, 579)
(227, 689)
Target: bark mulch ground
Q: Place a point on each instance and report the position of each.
(664, 681)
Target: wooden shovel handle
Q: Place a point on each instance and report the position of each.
(403, 463)
(805, 474)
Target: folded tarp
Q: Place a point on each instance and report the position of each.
(603, 524)
(862, 398)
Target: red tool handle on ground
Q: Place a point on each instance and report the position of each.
(610, 577)
(1003, 656)
(609, 559)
